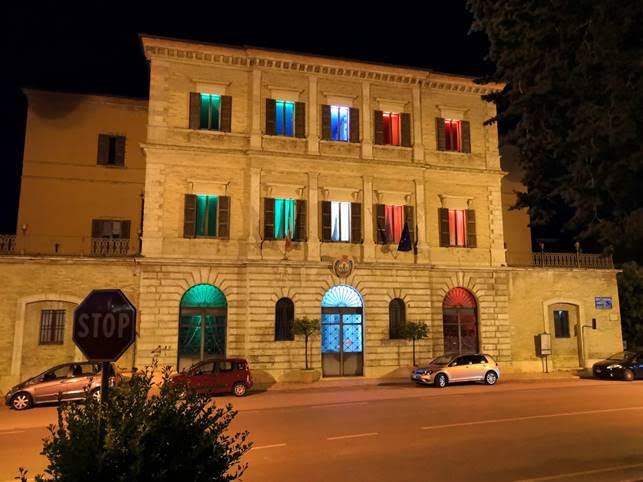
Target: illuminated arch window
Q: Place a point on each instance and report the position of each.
(396, 318)
(284, 319)
(343, 296)
(460, 322)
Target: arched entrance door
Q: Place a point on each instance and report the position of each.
(202, 325)
(460, 322)
(342, 332)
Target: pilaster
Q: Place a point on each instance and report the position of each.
(313, 245)
(418, 147)
(368, 248)
(255, 111)
(313, 111)
(254, 234)
(367, 131)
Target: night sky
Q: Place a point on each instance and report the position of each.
(95, 48)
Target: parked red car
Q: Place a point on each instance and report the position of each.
(229, 375)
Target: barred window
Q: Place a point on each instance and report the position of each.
(284, 318)
(52, 327)
(396, 318)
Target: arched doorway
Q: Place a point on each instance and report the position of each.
(460, 322)
(342, 332)
(202, 325)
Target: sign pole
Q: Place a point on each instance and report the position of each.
(104, 382)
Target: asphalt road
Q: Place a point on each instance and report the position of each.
(537, 430)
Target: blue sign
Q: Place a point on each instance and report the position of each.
(603, 302)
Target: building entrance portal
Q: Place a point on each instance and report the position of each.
(202, 325)
(342, 332)
(460, 322)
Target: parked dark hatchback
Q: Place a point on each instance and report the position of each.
(625, 365)
(230, 375)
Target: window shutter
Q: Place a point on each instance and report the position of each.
(300, 220)
(380, 224)
(195, 110)
(125, 229)
(465, 129)
(443, 217)
(271, 107)
(97, 231)
(471, 228)
(440, 134)
(325, 122)
(103, 149)
(406, 129)
(409, 219)
(189, 216)
(354, 124)
(325, 221)
(300, 119)
(268, 218)
(119, 154)
(379, 126)
(223, 230)
(226, 113)
(356, 223)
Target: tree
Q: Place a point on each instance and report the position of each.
(572, 103)
(175, 435)
(307, 328)
(415, 330)
(630, 290)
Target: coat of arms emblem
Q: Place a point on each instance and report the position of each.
(343, 267)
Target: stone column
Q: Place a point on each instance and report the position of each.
(313, 111)
(496, 234)
(418, 146)
(368, 248)
(255, 112)
(367, 116)
(420, 219)
(313, 244)
(254, 233)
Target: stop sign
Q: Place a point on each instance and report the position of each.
(104, 325)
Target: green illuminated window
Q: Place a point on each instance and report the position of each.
(210, 111)
(206, 215)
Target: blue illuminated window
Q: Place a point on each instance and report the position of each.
(284, 118)
(339, 123)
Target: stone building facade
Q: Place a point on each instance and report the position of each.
(281, 185)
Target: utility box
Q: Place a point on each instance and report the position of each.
(544, 344)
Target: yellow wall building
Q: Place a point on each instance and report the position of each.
(280, 185)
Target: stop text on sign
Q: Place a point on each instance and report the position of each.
(99, 325)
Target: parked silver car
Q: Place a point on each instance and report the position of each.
(458, 368)
(65, 382)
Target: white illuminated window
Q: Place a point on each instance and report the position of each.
(340, 216)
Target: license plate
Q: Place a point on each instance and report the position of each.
(598, 370)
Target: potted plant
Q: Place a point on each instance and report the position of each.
(306, 327)
(415, 330)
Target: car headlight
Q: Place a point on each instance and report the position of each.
(615, 365)
(428, 372)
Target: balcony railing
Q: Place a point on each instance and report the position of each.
(110, 247)
(7, 243)
(572, 260)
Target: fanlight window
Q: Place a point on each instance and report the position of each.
(342, 296)
(204, 296)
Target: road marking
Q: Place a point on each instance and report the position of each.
(586, 472)
(530, 417)
(370, 434)
(339, 404)
(11, 431)
(260, 447)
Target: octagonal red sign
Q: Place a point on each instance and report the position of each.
(104, 325)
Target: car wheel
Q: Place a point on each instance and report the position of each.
(239, 389)
(441, 380)
(96, 394)
(628, 375)
(491, 378)
(21, 401)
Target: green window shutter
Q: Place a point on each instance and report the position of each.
(195, 110)
(406, 129)
(325, 122)
(223, 230)
(300, 119)
(125, 229)
(226, 113)
(378, 118)
(380, 225)
(440, 134)
(465, 129)
(443, 219)
(119, 153)
(325, 221)
(410, 220)
(97, 228)
(268, 218)
(271, 107)
(471, 228)
(300, 220)
(356, 223)
(103, 149)
(189, 216)
(354, 125)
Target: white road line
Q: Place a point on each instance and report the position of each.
(370, 434)
(11, 431)
(531, 417)
(339, 404)
(586, 472)
(260, 447)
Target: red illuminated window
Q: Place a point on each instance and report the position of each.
(453, 135)
(457, 227)
(391, 128)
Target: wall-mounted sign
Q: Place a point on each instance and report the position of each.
(603, 302)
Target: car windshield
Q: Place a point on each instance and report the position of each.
(621, 355)
(441, 360)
